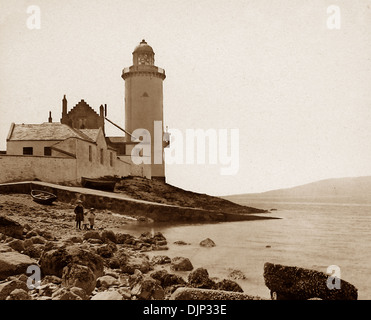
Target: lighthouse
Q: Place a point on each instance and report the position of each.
(144, 102)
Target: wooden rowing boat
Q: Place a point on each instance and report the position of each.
(100, 184)
(43, 197)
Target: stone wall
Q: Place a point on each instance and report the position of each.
(49, 169)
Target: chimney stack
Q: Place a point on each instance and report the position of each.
(50, 117)
(64, 105)
(101, 111)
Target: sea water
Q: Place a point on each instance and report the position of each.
(310, 234)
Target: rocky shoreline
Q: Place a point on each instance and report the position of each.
(107, 264)
(101, 264)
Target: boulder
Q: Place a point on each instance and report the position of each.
(125, 293)
(48, 289)
(11, 228)
(181, 243)
(207, 243)
(34, 251)
(76, 275)
(108, 295)
(135, 278)
(148, 289)
(199, 278)
(31, 233)
(181, 264)
(51, 279)
(5, 248)
(121, 238)
(106, 250)
(65, 294)
(19, 294)
(294, 283)
(13, 263)
(160, 260)
(17, 245)
(130, 262)
(228, 285)
(92, 235)
(107, 281)
(236, 275)
(108, 235)
(79, 292)
(95, 241)
(168, 279)
(74, 239)
(38, 240)
(207, 294)
(52, 262)
(7, 287)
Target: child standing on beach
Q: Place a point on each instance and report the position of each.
(85, 221)
(91, 218)
(79, 211)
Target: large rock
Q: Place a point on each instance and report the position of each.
(123, 238)
(13, 263)
(228, 285)
(7, 287)
(181, 264)
(19, 294)
(294, 283)
(65, 294)
(199, 278)
(11, 228)
(207, 294)
(129, 262)
(148, 289)
(107, 281)
(17, 245)
(107, 250)
(160, 260)
(76, 275)
(167, 279)
(108, 235)
(207, 243)
(52, 262)
(92, 235)
(108, 295)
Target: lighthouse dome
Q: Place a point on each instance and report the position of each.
(143, 47)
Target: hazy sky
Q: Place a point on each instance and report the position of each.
(298, 92)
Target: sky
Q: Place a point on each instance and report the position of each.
(297, 91)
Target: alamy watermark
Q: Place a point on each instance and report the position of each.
(34, 280)
(195, 146)
(334, 18)
(34, 19)
(333, 281)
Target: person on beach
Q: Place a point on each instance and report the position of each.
(85, 221)
(79, 211)
(91, 218)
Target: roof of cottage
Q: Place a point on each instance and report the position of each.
(48, 131)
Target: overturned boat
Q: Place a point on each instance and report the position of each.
(99, 184)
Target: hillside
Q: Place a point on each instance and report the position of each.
(160, 192)
(347, 188)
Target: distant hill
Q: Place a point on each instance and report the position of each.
(350, 188)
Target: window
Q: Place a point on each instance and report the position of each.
(101, 156)
(111, 159)
(47, 151)
(28, 151)
(90, 154)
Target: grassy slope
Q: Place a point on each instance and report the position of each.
(157, 191)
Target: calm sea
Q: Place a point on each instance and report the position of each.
(309, 234)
